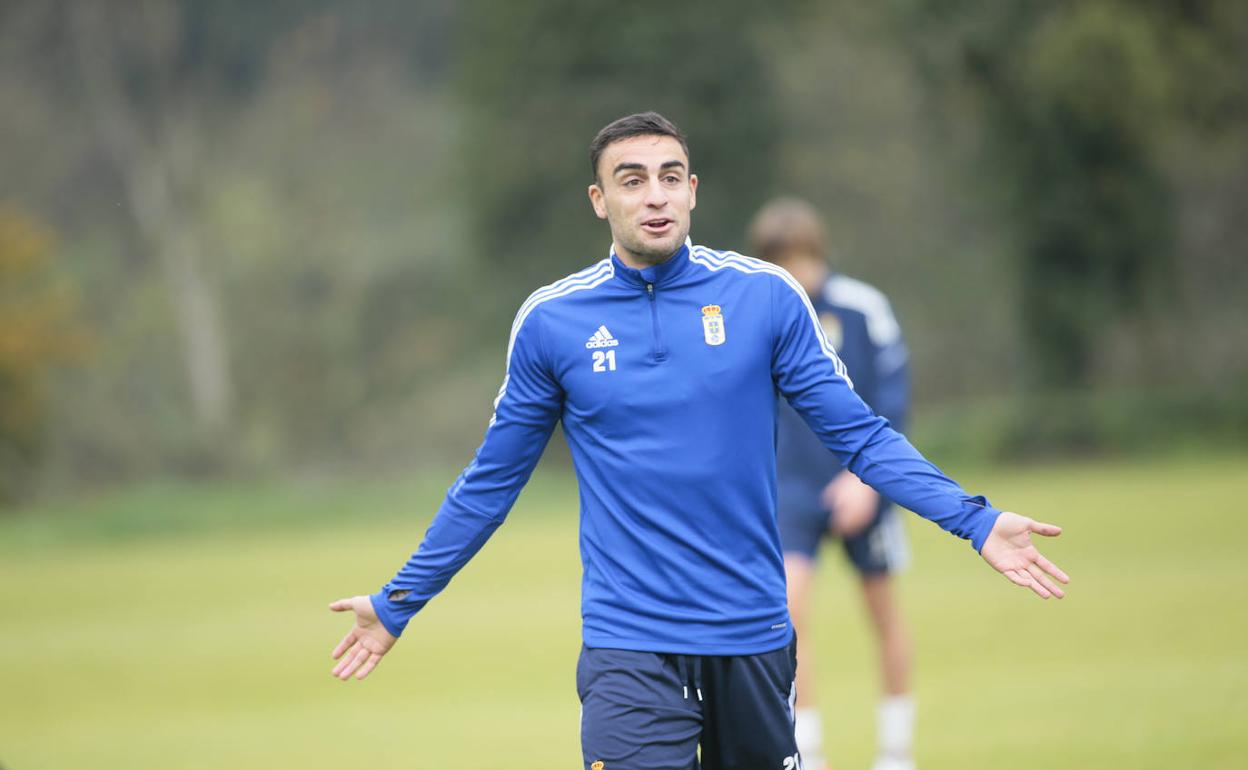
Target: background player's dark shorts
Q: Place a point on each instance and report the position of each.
(880, 548)
(650, 711)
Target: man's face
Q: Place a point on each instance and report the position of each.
(645, 192)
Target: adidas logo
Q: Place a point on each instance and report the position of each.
(602, 339)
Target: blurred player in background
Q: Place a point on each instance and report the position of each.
(819, 498)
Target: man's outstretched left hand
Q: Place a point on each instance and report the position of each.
(1009, 550)
(361, 649)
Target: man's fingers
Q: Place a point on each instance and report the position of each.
(340, 670)
(342, 605)
(1051, 568)
(1015, 578)
(1048, 530)
(368, 666)
(344, 644)
(353, 662)
(1039, 590)
(342, 664)
(1022, 577)
(1043, 580)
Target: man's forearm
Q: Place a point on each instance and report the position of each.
(454, 537)
(892, 466)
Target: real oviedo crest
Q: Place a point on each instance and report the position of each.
(713, 325)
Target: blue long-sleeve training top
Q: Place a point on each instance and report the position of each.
(666, 380)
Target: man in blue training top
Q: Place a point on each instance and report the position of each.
(817, 497)
(664, 362)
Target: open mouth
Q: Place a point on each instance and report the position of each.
(657, 225)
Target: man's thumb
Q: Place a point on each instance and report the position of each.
(1048, 530)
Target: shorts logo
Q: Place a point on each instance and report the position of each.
(713, 325)
(793, 763)
(596, 766)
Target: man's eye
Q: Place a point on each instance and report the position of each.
(632, 182)
(672, 179)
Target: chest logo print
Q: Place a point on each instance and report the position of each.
(601, 339)
(713, 325)
(604, 360)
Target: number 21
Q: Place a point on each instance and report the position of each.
(604, 361)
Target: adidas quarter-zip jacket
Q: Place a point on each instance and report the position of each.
(666, 380)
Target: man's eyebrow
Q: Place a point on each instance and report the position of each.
(641, 166)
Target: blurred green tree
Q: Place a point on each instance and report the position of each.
(38, 330)
(538, 79)
(1079, 102)
(166, 84)
(1073, 98)
(1081, 110)
(145, 95)
(255, 196)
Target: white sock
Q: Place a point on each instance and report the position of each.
(895, 725)
(808, 728)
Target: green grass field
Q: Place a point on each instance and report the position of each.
(174, 627)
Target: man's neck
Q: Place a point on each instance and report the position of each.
(635, 262)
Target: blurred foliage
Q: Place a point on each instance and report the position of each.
(38, 330)
(537, 81)
(1088, 423)
(1079, 101)
(300, 228)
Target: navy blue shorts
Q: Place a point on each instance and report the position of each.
(880, 548)
(653, 711)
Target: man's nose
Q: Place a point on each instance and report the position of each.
(656, 196)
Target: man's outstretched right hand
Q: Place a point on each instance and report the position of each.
(1009, 550)
(361, 649)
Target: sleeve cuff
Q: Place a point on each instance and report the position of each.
(393, 616)
(987, 519)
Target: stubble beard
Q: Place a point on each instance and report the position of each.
(650, 252)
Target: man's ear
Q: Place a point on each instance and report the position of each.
(596, 200)
(693, 191)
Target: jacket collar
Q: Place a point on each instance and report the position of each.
(665, 272)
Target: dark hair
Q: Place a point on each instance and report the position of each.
(641, 124)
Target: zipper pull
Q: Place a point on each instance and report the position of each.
(650, 291)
